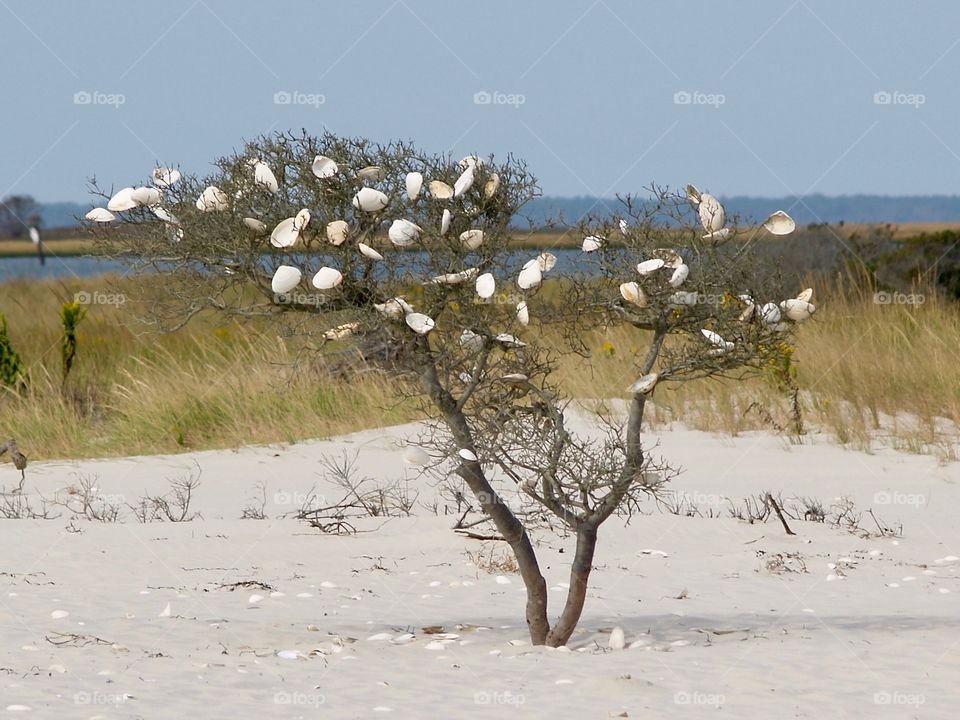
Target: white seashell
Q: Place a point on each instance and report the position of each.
(464, 182)
(693, 195)
(747, 313)
(645, 384)
(798, 310)
(327, 278)
(624, 228)
(486, 285)
(717, 341)
(122, 200)
(547, 261)
(371, 173)
(633, 293)
(470, 341)
(414, 183)
(290, 654)
(779, 223)
(263, 175)
(445, 222)
(721, 234)
(471, 161)
(59, 614)
(165, 177)
(491, 187)
(679, 275)
(649, 266)
(467, 455)
(301, 220)
(101, 215)
(523, 313)
(402, 232)
(455, 278)
(712, 216)
(806, 295)
(617, 640)
(324, 167)
(439, 190)
(337, 231)
(420, 323)
(530, 276)
(257, 226)
(515, 378)
(592, 243)
(509, 341)
(285, 233)
(770, 314)
(370, 200)
(285, 279)
(148, 196)
(472, 239)
(393, 308)
(212, 199)
(341, 331)
(369, 252)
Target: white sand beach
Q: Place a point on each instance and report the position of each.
(130, 620)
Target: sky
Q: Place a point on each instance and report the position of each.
(767, 98)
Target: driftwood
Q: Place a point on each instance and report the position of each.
(19, 459)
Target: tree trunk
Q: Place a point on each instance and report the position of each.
(579, 579)
(491, 503)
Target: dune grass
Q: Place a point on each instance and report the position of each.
(869, 374)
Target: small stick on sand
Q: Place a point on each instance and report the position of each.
(783, 520)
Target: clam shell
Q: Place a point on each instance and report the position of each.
(491, 187)
(257, 226)
(633, 293)
(414, 183)
(464, 182)
(165, 177)
(148, 196)
(770, 314)
(467, 455)
(439, 190)
(806, 295)
(486, 285)
(445, 222)
(100, 215)
(649, 266)
(323, 167)
(712, 216)
(301, 220)
(369, 252)
(371, 173)
(523, 313)
(285, 233)
(402, 232)
(337, 231)
(470, 341)
(327, 278)
(285, 279)
(122, 200)
(547, 261)
(212, 199)
(370, 200)
(420, 323)
(798, 310)
(645, 384)
(263, 175)
(779, 223)
(679, 275)
(472, 239)
(530, 276)
(591, 243)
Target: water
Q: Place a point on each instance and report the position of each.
(55, 267)
(86, 266)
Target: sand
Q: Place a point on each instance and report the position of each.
(130, 620)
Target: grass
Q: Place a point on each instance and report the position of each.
(869, 374)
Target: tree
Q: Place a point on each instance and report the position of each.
(423, 301)
(17, 213)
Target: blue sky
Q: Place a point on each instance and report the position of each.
(756, 97)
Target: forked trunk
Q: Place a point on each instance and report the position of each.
(579, 579)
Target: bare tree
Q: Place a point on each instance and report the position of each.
(445, 302)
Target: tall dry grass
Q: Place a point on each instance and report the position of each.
(870, 374)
